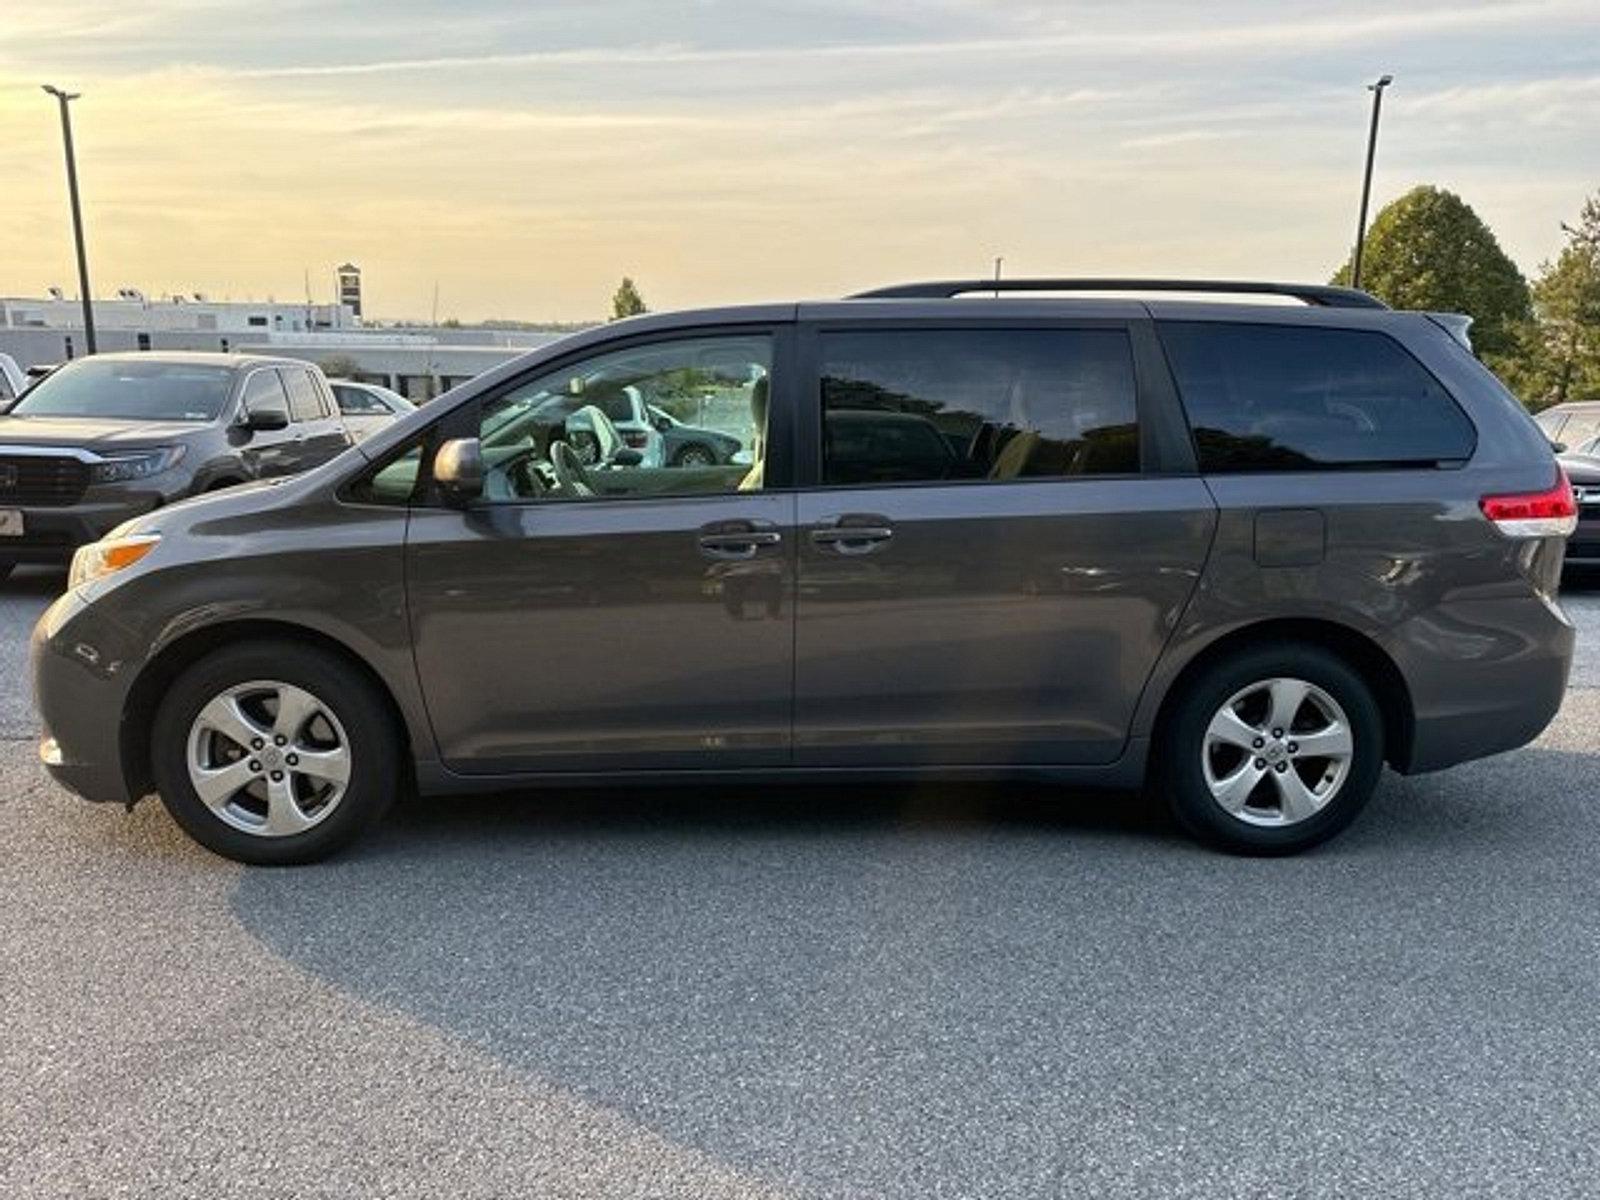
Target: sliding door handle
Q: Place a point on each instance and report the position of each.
(853, 533)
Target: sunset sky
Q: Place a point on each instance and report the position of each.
(524, 155)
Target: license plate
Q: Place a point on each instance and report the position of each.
(10, 522)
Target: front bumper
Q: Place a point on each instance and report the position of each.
(80, 689)
(51, 535)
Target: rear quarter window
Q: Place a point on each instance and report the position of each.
(1285, 397)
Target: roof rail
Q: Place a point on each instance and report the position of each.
(1326, 295)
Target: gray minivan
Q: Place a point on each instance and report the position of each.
(1242, 553)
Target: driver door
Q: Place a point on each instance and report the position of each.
(595, 616)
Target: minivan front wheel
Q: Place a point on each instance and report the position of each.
(1273, 750)
(274, 753)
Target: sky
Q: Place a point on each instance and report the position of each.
(519, 156)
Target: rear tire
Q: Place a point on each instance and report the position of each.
(1244, 777)
(295, 748)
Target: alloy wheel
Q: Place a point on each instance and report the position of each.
(1277, 752)
(269, 758)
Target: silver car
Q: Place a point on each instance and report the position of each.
(367, 407)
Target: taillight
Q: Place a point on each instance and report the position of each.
(636, 439)
(1534, 514)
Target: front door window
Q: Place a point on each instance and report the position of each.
(675, 418)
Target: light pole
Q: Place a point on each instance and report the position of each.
(1366, 179)
(62, 98)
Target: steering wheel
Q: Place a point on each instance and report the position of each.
(572, 478)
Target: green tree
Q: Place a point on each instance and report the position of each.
(627, 302)
(1428, 250)
(339, 366)
(1560, 357)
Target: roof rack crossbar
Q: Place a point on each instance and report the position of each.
(1325, 295)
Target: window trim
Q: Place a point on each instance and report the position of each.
(1165, 448)
(465, 419)
(1404, 464)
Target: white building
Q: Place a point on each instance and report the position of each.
(417, 362)
(133, 310)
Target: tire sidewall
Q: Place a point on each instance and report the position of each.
(374, 749)
(695, 454)
(1184, 779)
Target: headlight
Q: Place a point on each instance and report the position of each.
(99, 559)
(141, 465)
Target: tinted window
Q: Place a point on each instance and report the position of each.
(925, 405)
(305, 401)
(123, 390)
(1280, 397)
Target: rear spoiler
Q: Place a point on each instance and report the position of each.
(1456, 325)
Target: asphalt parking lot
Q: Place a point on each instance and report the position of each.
(950, 992)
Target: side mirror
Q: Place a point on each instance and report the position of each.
(1559, 447)
(264, 420)
(662, 424)
(626, 458)
(458, 469)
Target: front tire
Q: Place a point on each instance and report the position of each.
(695, 455)
(274, 753)
(1271, 750)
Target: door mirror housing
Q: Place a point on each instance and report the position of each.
(662, 424)
(458, 469)
(1559, 447)
(264, 419)
(626, 458)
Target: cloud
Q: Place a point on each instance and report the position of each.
(1212, 38)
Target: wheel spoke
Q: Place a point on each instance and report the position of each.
(1297, 800)
(295, 708)
(217, 786)
(1287, 697)
(1233, 791)
(283, 813)
(332, 766)
(1332, 742)
(1227, 726)
(227, 717)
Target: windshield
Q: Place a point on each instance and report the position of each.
(129, 391)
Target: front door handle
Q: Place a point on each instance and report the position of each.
(853, 533)
(735, 540)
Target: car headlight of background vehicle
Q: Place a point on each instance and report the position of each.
(141, 464)
(108, 556)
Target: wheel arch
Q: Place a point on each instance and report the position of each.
(144, 697)
(1365, 656)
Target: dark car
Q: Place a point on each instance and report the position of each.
(110, 437)
(686, 445)
(1583, 470)
(1242, 554)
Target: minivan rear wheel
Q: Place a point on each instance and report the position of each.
(274, 753)
(1272, 750)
